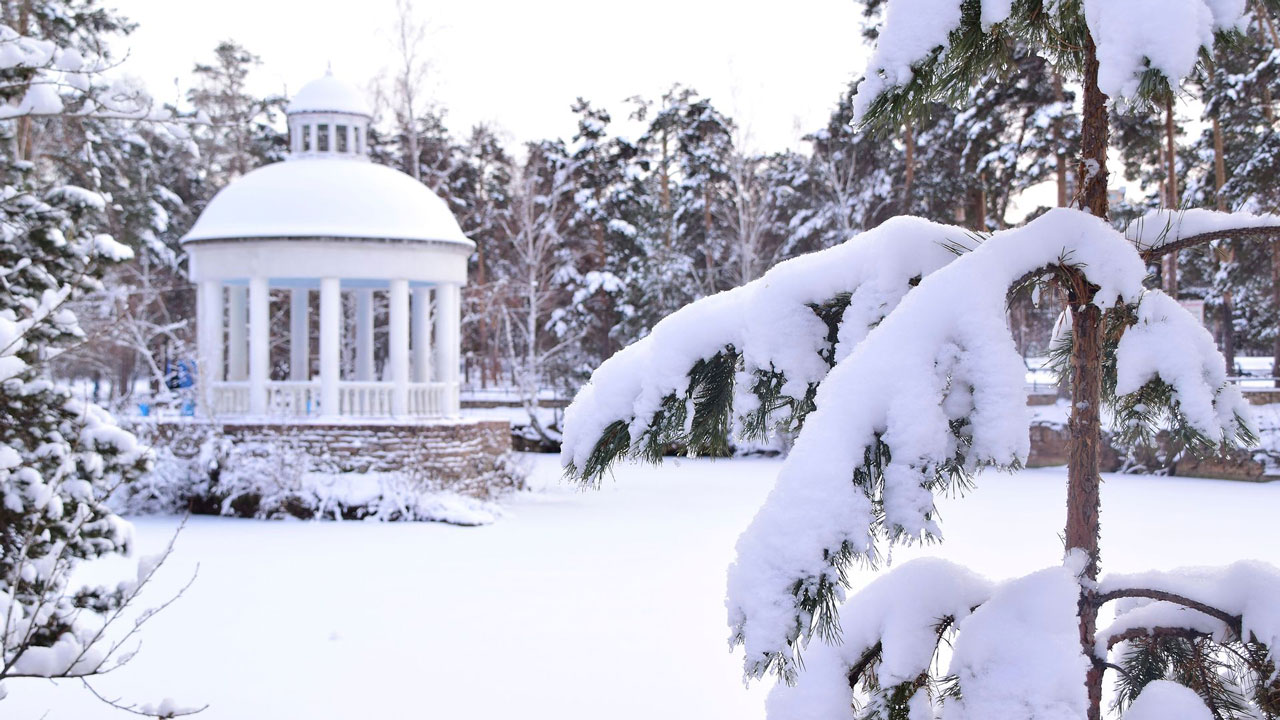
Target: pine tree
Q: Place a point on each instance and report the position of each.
(240, 133)
(899, 402)
(60, 457)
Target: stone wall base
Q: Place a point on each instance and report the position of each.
(446, 449)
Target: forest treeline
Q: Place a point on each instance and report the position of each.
(585, 241)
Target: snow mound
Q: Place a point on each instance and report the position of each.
(1019, 655)
(1167, 700)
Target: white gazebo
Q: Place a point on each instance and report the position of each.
(330, 221)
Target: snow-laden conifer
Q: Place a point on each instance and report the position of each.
(934, 391)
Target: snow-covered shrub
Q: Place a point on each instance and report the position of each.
(210, 474)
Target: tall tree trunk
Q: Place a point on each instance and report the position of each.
(1228, 252)
(666, 194)
(1170, 274)
(1275, 303)
(1083, 497)
(1060, 137)
(908, 139)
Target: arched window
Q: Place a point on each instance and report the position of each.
(306, 138)
(322, 140)
(342, 138)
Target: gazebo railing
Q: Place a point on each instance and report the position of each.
(230, 398)
(293, 398)
(364, 399)
(431, 399)
(298, 399)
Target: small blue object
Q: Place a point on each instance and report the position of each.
(145, 409)
(189, 408)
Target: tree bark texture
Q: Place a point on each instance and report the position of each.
(1083, 498)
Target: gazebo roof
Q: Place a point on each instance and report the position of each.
(327, 198)
(328, 94)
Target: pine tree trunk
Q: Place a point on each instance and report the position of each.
(908, 138)
(1083, 481)
(1171, 192)
(1275, 303)
(1228, 305)
(1059, 134)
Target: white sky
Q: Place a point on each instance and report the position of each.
(777, 68)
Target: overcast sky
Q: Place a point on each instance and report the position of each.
(777, 68)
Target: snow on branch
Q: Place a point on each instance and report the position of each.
(890, 631)
(933, 393)
(1161, 232)
(1241, 596)
(37, 77)
(1166, 361)
(925, 45)
(773, 338)
(1015, 649)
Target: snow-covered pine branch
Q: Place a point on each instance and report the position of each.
(936, 391)
(1140, 44)
(1010, 650)
(1166, 373)
(1160, 232)
(767, 340)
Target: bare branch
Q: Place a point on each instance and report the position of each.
(1253, 233)
(1232, 621)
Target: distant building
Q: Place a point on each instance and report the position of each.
(331, 229)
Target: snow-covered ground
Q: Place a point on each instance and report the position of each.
(578, 605)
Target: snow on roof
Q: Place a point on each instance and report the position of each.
(328, 94)
(347, 198)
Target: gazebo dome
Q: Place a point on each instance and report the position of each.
(331, 198)
(328, 94)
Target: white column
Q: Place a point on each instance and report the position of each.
(364, 334)
(351, 140)
(421, 334)
(299, 334)
(448, 339)
(398, 326)
(333, 137)
(330, 344)
(314, 131)
(237, 334)
(209, 341)
(259, 344)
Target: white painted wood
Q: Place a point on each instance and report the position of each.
(259, 343)
(398, 321)
(299, 334)
(364, 334)
(330, 344)
(421, 339)
(237, 333)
